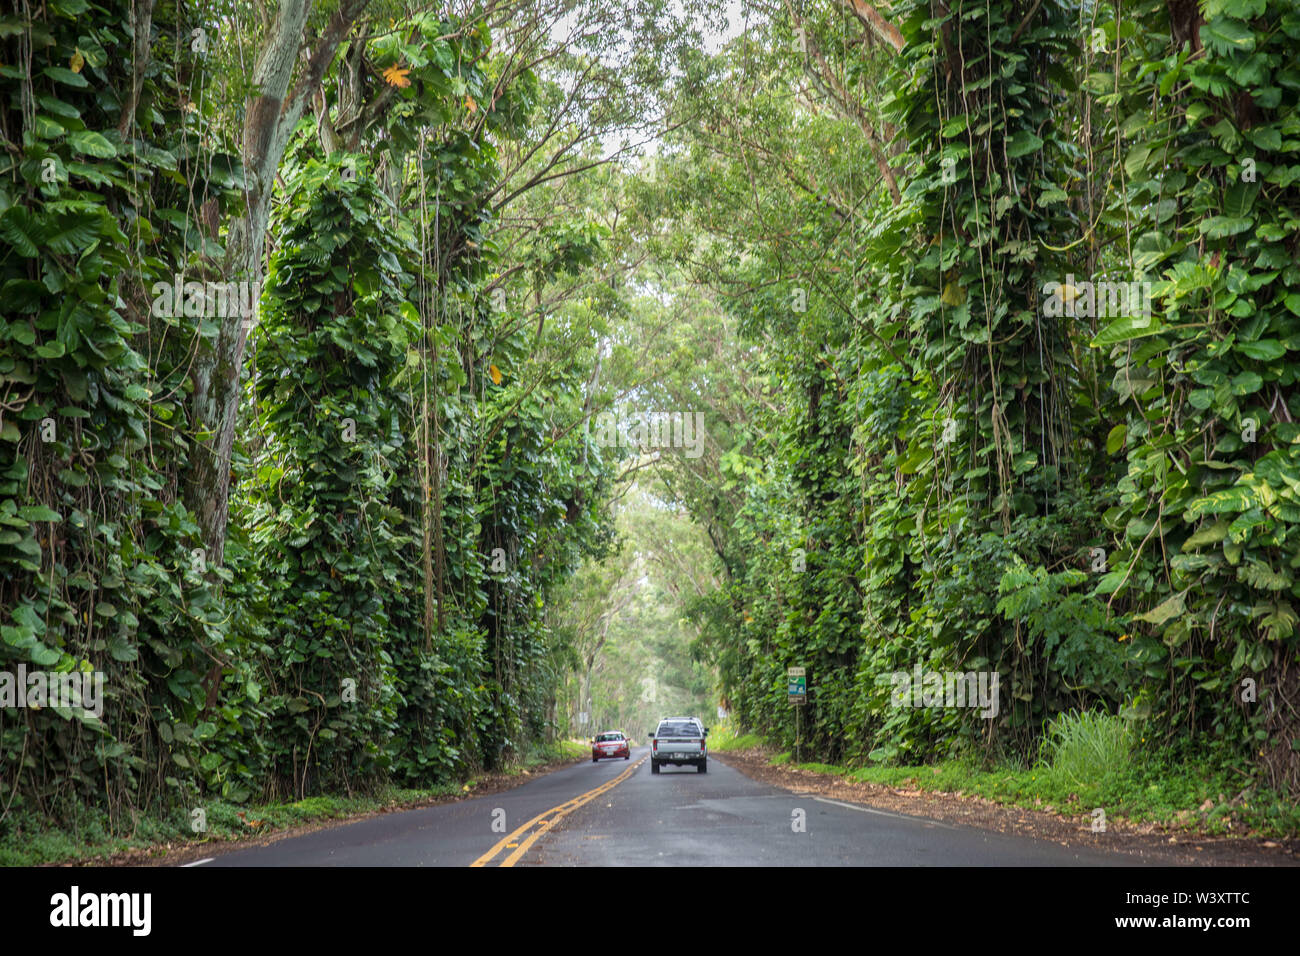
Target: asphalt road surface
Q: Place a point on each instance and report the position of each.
(616, 813)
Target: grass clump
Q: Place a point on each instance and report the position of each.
(1083, 749)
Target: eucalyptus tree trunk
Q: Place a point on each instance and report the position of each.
(271, 113)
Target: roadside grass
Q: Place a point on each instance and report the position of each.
(1085, 765)
(1083, 749)
(725, 737)
(27, 840)
(1160, 789)
(826, 768)
(565, 749)
(572, 748)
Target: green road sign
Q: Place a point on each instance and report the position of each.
(796, 685)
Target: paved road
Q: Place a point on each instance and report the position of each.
(617, 813)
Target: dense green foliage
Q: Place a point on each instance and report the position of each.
(96, 569)
(403, 505)
(960, 458)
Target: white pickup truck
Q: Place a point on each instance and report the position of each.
(679, 740)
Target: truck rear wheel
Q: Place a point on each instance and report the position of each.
(703, 766)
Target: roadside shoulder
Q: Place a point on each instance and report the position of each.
(1150, 842)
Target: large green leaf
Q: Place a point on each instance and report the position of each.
(1232, 500)
(1165, 611)
(90, 143)
(1226, 36)
(18, 229)
(1126, 328)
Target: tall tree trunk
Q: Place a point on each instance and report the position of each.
(270, 116)
(142, 30)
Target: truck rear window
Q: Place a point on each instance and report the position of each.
(678, 730)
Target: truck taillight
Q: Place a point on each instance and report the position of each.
(656, 745)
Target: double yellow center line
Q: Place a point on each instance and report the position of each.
(544, 821)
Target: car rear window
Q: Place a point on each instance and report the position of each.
(603, 737)
(682, 729)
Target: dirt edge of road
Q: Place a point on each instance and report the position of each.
(178, 854)
(1152, 843)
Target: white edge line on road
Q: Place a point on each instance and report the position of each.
(885, 813)
(199, 862)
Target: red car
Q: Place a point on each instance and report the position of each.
(611, 743)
